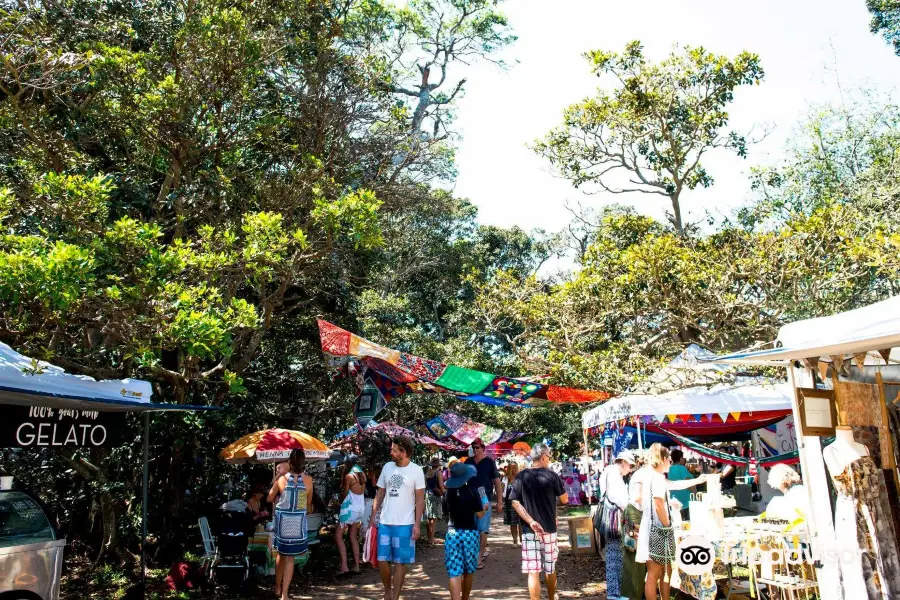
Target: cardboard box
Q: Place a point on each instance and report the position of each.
(581, 535)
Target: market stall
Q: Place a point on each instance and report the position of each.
(273, 446)
(42, 406)
(844, 369)
(706, 408)
(748, 403)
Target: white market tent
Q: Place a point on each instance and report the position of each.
(29, 382)
(867, 329)
(870, 330)
(26, 382)
(746, 395)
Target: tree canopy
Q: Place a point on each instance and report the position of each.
(186, 186)
(655, 126)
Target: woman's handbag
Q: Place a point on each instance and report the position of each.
(370, 547)
(631, 524)
(662, 539)
(610, 517)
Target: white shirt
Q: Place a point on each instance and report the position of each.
(657, 481)
(400, 485)
(613, 486)
(635, 486)
(785, 507)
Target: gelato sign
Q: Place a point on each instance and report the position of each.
(45, 427)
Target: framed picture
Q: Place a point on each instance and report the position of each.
(818, 412)
(365, 401)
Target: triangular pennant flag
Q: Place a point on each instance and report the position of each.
(885, 355)
(709, 417)
(859, 359)
(736, 416)
(684, 418)
(838, 360)
(723, 416)
(823, 369)
(697, 418)
(671, 418)
(660, 418)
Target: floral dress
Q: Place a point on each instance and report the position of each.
(862, 514)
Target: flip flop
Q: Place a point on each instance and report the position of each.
(480, 567)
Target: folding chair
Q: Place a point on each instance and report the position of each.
(210, 553)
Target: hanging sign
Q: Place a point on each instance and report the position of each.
(818, 412)
(45, 427)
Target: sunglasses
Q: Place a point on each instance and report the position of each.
(478, 447)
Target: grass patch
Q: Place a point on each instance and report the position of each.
(574, 511)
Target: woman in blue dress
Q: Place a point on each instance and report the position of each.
(292, 493)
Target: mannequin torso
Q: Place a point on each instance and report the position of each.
(843, 451)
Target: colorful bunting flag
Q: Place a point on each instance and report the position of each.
(348, 353)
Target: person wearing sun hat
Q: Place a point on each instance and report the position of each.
(462, 543)
(614, 493)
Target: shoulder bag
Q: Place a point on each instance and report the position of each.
(662, 539)
(610, 516)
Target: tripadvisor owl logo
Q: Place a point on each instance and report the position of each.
(695, 555)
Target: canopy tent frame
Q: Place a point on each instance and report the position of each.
(873, 330)
(754, 395)
(21, 396)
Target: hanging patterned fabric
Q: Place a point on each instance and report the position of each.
(347, 352)
(438, 428)
(353, 439)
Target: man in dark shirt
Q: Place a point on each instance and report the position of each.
(488, 477)
(462, 540)
(534, 495)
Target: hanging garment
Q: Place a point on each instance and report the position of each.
(862, 513)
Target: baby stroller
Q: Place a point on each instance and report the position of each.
(232, 566)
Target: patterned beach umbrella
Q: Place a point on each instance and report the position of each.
(273, 445)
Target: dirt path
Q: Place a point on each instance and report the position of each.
(502, 578)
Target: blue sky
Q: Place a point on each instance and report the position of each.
(805, 46)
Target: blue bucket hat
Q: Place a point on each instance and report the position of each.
(460, 473)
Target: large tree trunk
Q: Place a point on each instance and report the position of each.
(171, 525)
(109, 517)
(109, 505)
(676, 214)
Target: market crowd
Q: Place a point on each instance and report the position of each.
(639, 496)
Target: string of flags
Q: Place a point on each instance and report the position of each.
(662, 419)
(382, 374)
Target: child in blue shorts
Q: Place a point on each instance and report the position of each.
(463, 539)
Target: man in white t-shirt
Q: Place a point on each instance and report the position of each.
(401, 490)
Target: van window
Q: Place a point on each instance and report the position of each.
(22, 521)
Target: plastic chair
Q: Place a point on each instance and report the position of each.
(313, 523)
(210, 553)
